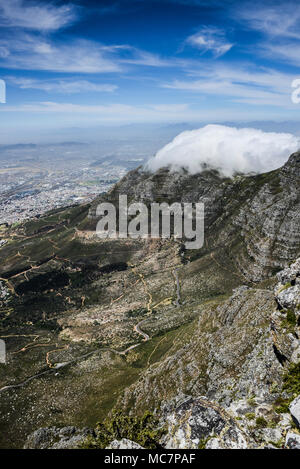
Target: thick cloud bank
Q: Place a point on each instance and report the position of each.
(227, 149)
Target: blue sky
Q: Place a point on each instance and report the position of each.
(83, 64)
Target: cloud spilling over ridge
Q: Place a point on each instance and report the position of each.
(227, 149)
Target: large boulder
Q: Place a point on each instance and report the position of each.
(288, 288)
(289, 297)
(292, 440)
(295, 410)
(199, 423)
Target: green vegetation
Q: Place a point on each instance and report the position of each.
(291, 317)
(252, 402)
(261, 422)
(250, 416)
(291, 380)
(281, 405)
(290, 321)
(291, 384)
(278, 444)
(284, 287)
(142, 430)
(203, 442)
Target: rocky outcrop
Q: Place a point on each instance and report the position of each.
(292, 440)
(4, 292)
(199, 423)
(285, 320)
(238, 354)
(226, 354)
(270, 221)
(57, 438)
(295, 410)
(124, 444)
(288, 288)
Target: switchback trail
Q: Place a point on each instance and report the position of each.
(54, 367)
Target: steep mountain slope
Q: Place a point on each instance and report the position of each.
(258, 215)
(91, 324)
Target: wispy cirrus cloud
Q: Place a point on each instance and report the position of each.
(116, 112)
(287, 52)
(35, 52)
(279, 26)
(113, 110)
(260, 86)
(36, 15)
(62, 86)
(51, 106)
(31, 52)
(122, 113)
(136, 56)
(210, 39)
(280, 19)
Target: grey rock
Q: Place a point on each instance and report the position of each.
(290, 297)
(198, 421)
(4, 292)
(124, 444)
(57, 438)
(292, 440)
(295, 410)
(290, 273)
(271, 435)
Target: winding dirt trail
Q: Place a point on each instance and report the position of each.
(138, 329)
(54, 367)
(59, 366)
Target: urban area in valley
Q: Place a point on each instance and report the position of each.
(37, 178)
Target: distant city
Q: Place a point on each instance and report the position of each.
(35, 179)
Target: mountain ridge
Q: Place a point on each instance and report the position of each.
(69, 298)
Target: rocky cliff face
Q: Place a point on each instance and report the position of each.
(269, 221)
(207, 340)
(257, 414)
(229, 386)
(256, 216)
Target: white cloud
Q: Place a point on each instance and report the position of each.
(260, 86)
(279, 25)
(53, 107)
(178, 108)
(281, 19)
(35, 52)
(29, 52)
(35, 15)
(227, 149)
(109, 112)
(287, 52)
(70, 114)
(140, 57)
(62, 86)
(210, 39)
